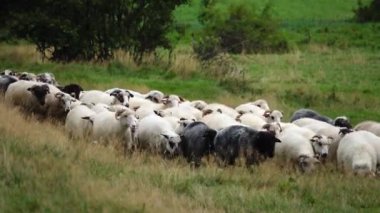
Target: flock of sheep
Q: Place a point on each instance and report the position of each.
(172, 126)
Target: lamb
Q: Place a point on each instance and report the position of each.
(370, 126)
(157, 135)
(359, 153)
(197, 140)
(243, 142)
(96, 96)
(301, 151)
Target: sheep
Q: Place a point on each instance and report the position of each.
(249, 108)
(243, 142)
(28, 95)
(263, 104)
(251, 120)
(5, 81)
(96, 96)
(27, 76)
(340, 121)
(197, 140)
(108, 125)
(58, 104)
(77, 127)
(8, 72)
(218, 121)
(301, 151)
(312, 124)
(198, 104)
(359, 152)
(73, 89)
(157, 135)
(46, 77)
(221, 108)
(154, 96)
(370, 126)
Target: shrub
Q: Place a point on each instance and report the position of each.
(368, 13)
(237, 27)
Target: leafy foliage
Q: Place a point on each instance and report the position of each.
(239, 28)
(368, 13)
(85, 30)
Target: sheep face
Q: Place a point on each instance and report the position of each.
(274, 128)
(155, 96)
(274, 116)
(263, 104)
(171, 144)
(342, 122)
(321, 145)
(40, 91)
(127, 118)
(122, 96)
(307, 164)
(66, 101)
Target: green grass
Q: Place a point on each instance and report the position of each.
(44, 171)
(335, 70)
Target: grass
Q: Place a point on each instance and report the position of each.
(45, 171)
(334, 69)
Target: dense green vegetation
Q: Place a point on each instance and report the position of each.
(333, 68)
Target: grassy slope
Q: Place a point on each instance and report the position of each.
(45, 171)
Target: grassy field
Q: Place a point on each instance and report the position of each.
(333, 69)
(44, 171)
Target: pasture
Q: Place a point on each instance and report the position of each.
(336, 72)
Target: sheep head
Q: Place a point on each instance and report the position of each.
(40, 92)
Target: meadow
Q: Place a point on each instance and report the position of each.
(334, 69)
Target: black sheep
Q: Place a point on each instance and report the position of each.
(243, 142)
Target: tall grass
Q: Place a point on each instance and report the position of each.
(42, 170)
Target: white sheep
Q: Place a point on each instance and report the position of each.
(217, 121)
(370, 126)
(222, 109)
(77, 127)
(359, 152)
(114, 125)
(302, 151)
(96, 96)
(157, 135)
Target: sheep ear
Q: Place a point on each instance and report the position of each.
(88, 118)
(165, 136)
(276, 140)
(130, 95)
(181, 99)
(315, 138)
(206, 112)
(59, 95)
(118, 114)
(267, 113)
(158, 112)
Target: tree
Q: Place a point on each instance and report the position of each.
(368, 13)
(90, 29)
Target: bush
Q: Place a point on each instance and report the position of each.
(368, 13)
(86, 30)
(238, 28)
